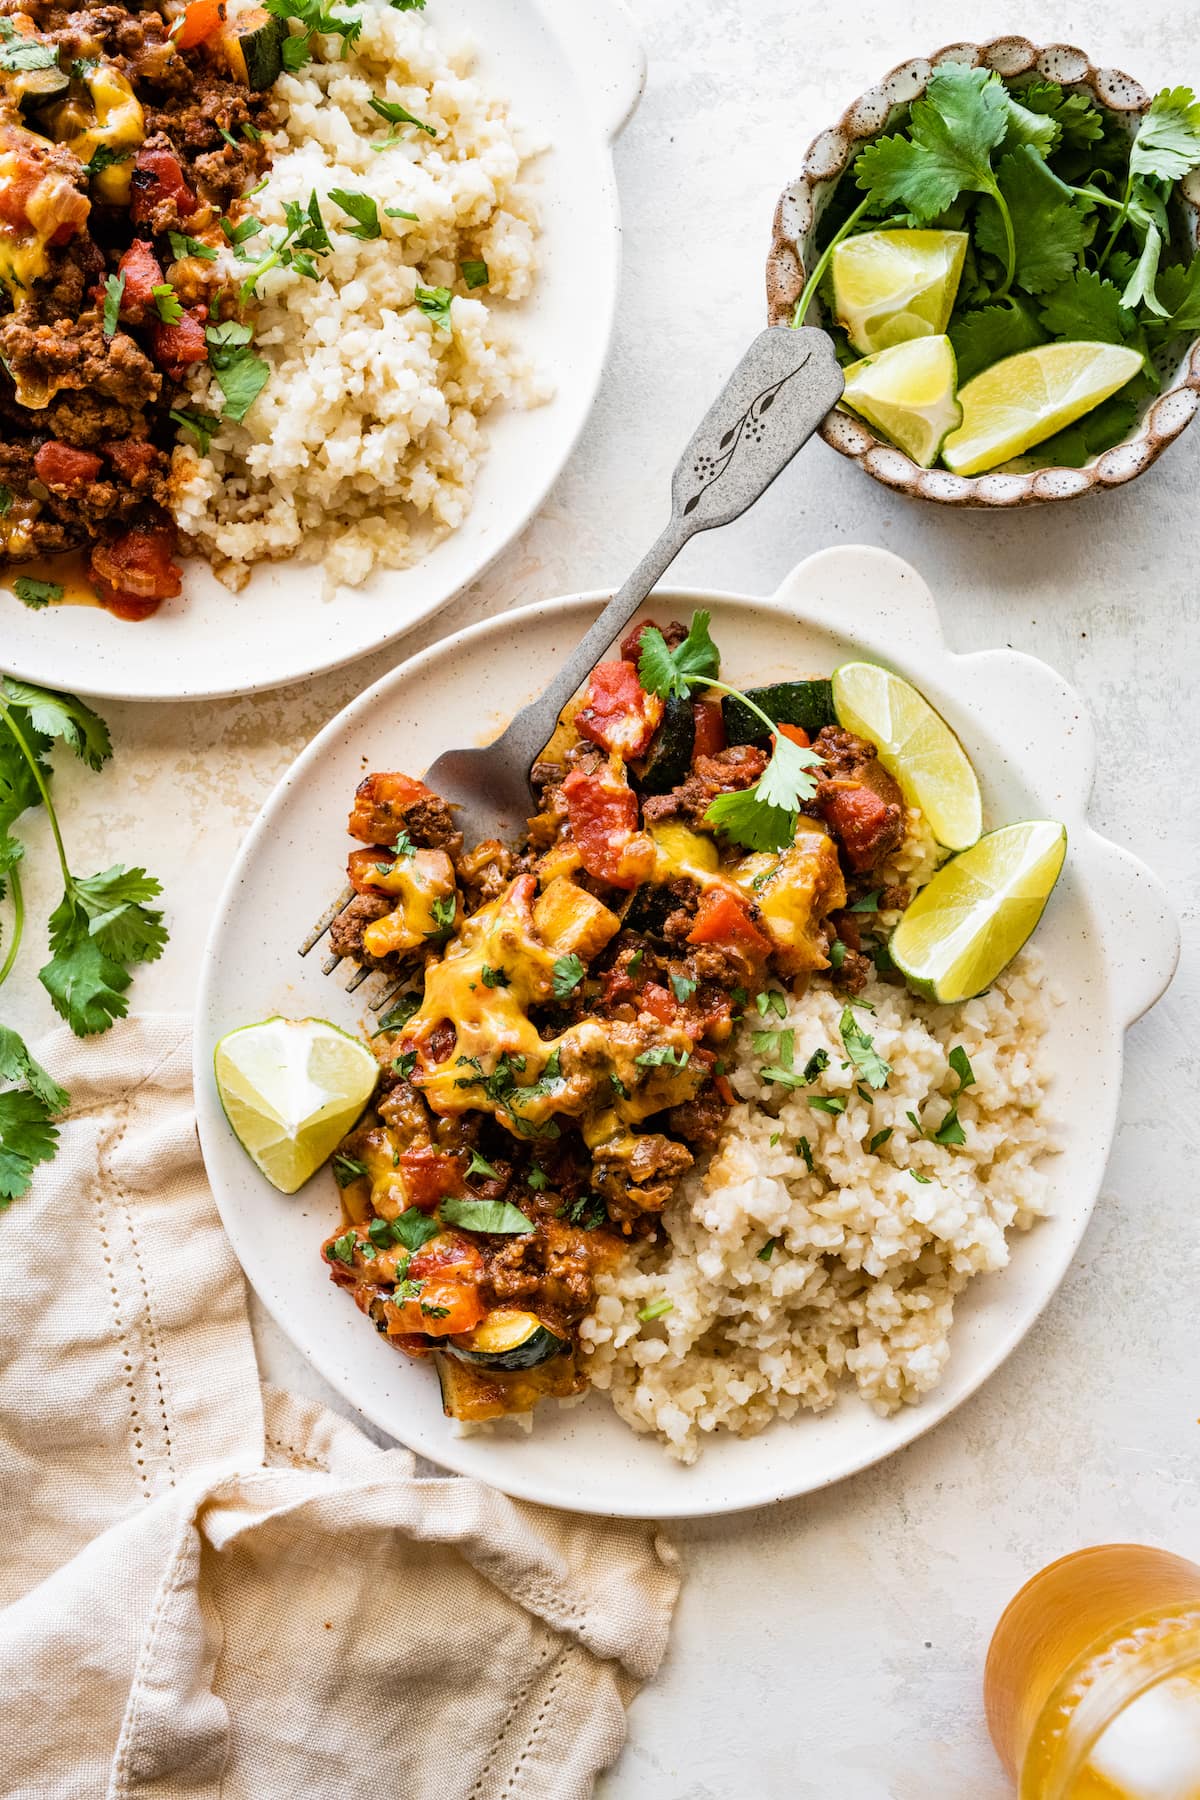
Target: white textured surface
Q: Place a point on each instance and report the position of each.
(831, 1649)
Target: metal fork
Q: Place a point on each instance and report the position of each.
(771, 405)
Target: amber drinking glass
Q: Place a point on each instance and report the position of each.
(1093, 1678)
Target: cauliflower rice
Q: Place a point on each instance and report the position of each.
(364, 444)
(866, 1260)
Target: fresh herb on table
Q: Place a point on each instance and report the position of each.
(395, 114)
(1068, 224)
(240, 374)
(568, 973)
(100, 929)
(762, 817)
(36, 594)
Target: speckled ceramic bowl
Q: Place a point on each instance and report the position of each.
(800, 207)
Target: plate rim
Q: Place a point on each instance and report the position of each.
(1089, 851)
(596, 132)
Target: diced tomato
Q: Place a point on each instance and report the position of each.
(132, 458)
(709, 722)
(157, 178)
(618, 713)
(143, 273)
(362, 870)
(797, 734)
(631, 643)
(724, 919)
(62, 465)
(450, 1270)
(657, 1001)
(602, 811)
(380, 802)
(427, 1176)
(175, 347)
(134, 573)
(198, 22)
(860, 818)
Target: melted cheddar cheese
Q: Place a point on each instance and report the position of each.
(110, 119)
(419, 881)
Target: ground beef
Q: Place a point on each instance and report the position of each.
(638, 1174)
(550, 1269)
(857, 798)
(699, 1121)
(725, 773)
(346, 932)
(430, 825)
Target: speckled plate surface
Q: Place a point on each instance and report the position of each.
(799, 211)
(1108, 936)
(573, 74)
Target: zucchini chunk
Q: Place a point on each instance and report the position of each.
(253, 46)
(35, 88)
(507, 1340)
(808, 704)
(669, 757)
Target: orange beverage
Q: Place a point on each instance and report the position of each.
(1093, 1678)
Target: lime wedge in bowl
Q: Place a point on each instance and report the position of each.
(969, 921)
(1028, 397)
(890, 286)
(915, 745)
(291, 1090)
(908, 392)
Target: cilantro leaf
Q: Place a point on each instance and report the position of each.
(1179, 290)
(1026, 125)
(960, 1062)
(860, 1048)
(105, 158)
(745, 819)
(1087, 307)
(56, 715)
(202, 425)
(497, 1216)
(27, 1137)
(568, 973)
(479, 1165)
(671, 673)
(1048, 228)
(1148, 217)
(21, 53)
(240, 374)
(395, 114)
(114, 288)
(182, 246)
(988, 334)
(16, 1064)
(99, 927)
(36, 594)
(435, 304)
(347, 1169)
(360, 207)
(1168, 139)
(953, 129)
(475, 272)
(166, 303)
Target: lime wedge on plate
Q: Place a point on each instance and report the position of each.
(915, 745)
(908, 392)
(968, 923)
(291, 1089)
(890, 286)
(1025, 398)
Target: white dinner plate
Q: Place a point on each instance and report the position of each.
(1108, 937)
(573, 73)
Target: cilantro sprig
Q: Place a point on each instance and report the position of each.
(100, 930)
(761, 817)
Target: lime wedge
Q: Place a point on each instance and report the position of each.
(890, 286)
(1025, 398)
(908, 392)
(291, 1089)
(968, 923)
(916, 745)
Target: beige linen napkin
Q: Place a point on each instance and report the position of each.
(215, 1589)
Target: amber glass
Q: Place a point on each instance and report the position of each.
(1079, 1644)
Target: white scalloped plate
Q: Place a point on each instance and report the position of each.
(573, 74)
(1108, 935)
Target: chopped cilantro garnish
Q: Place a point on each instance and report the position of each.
(682, 987)
(768, 1250)
(479, 1165)
(405, 1064)
(395, 114)
(397, 1015)
(657, 1309)
(535, 1179)
(166, 303)
(361, 208)
(182, 245)
(804, 1150)
(499, 1217)
(818, 1061)
(475, 272)
(663, 1055)
(36, 594)
(880, 1139)
(114, 288)
(494, 978)
(960, 1063)
(435, 304)
(568, 973)
(829, 1103)
(240, 374)
(347, 1169)
(860, 1048)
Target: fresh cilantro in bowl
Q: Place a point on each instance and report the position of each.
(1071, 228)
